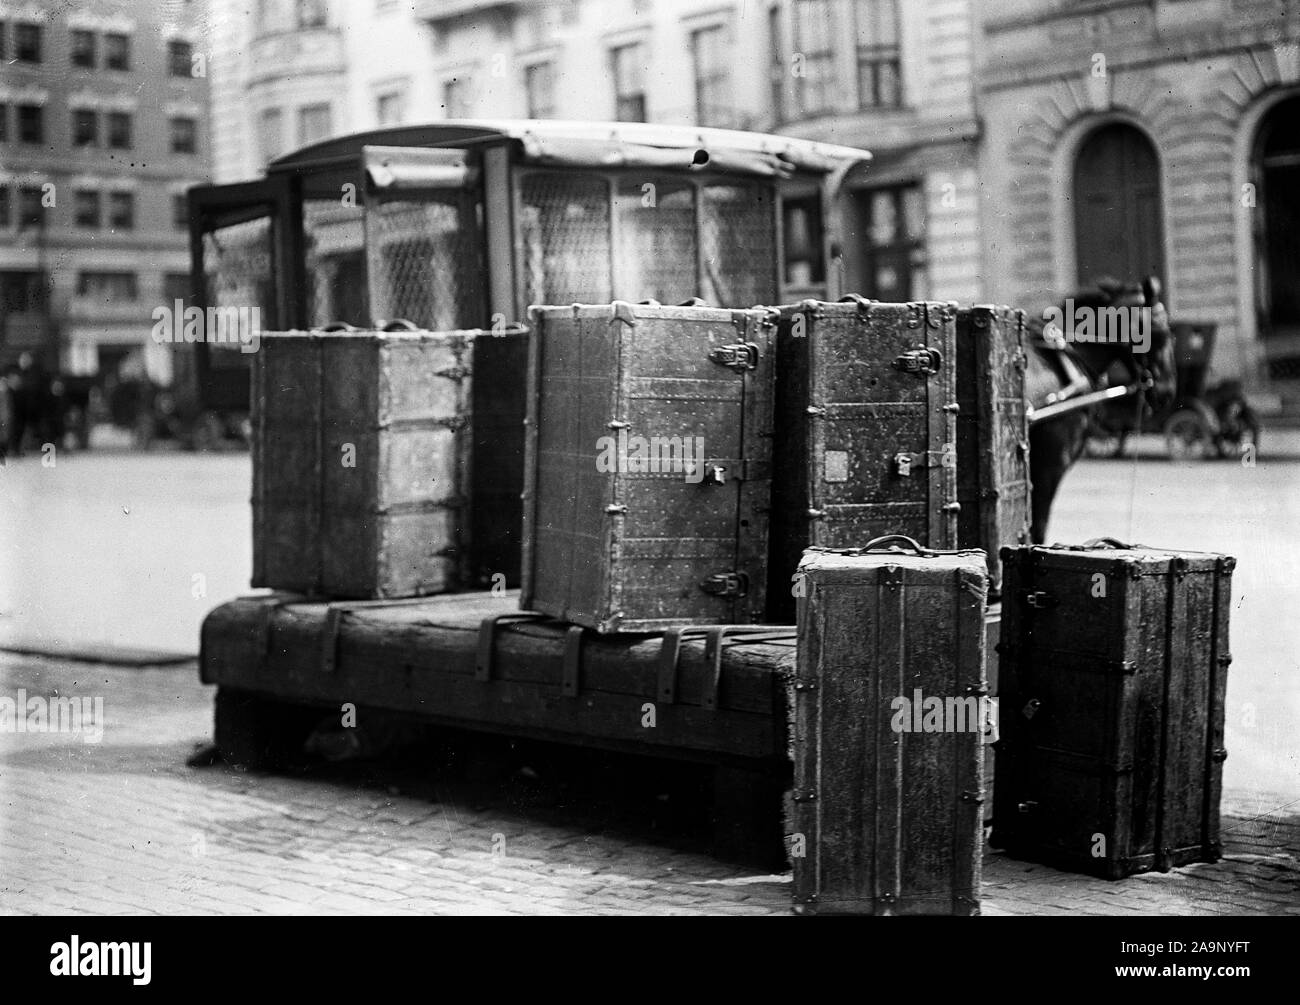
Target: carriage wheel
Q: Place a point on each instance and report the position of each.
(1187, 435)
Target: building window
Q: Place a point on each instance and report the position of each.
(270, 132)
(312, 13)
(1118, 229)
(313, 124)
(184, 135)
(83, 49)
(180, 56)
(31, 124)
(119, 130)
(108, 286)
(455, 98)
(628, 66)
(894, 255)
(24, 292)
(539, 85)
(121, 210)
(1275, 173)
(31, 214)
(390, 108)
(117, 51)
(85, 127)
(879, 83)
(2, 40)
(27, 43)
(4, 205)
(4, 123)
(86, 208)
(712, 85)
(176, 286)
(814, 72)
(180, 211)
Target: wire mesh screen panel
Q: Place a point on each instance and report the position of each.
(564, 227)
(334, 240)
(738, 233)
(239, 273)
(426, 261)
(657, 249)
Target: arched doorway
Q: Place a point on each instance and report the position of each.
(1275, 173)
(1118, 229)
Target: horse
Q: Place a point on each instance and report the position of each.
(1065, 363)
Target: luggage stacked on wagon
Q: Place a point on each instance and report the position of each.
(648, 465)
(381, 466)
(1114, 671)
(993, 488)
(897, 418)
(890, 704)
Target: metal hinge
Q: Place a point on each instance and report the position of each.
(922, 362)
(726, 584)
(740, 356)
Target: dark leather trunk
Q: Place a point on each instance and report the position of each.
(992, 433)
(382, 467)
(866, 431)
(618, 540)
(1113, 673)
(887, 808)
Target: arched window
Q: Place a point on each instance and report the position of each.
(1276, 177)
(1118, 230)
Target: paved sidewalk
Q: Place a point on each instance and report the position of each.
(123, 826)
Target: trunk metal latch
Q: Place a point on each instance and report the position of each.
(726, 584)
(738, 356)
(922, 362)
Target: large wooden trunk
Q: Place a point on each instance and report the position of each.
(887, 794)
(865, 443)
(1114, 666)
(648, 465)
(382, 467)
(474, 660)
(992, 433)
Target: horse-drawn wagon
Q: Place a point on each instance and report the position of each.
(1202, 420)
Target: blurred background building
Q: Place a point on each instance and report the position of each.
(1160, 136)
(1022, 148)
(103, 126)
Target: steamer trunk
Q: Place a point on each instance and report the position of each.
(1113, 674)
(992, 433)
(381, 467)
(889, 807)
(620, 540)
(866, 406)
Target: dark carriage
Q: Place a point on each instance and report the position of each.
(1203, 420)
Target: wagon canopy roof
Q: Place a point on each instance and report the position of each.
(596, 144)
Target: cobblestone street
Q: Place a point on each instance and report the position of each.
(123, 826)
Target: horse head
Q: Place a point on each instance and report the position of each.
(1126, 323)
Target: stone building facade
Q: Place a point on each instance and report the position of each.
(1021, 148)
(1156, 136)
(103, 127)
